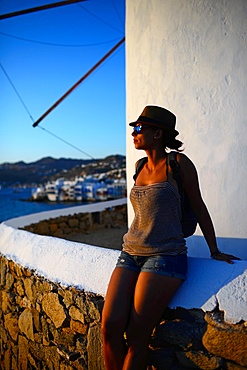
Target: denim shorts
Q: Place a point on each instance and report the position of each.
(172, 266)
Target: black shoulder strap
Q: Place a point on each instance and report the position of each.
(139, 166)
(173, 163)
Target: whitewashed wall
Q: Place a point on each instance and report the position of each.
(191, 57)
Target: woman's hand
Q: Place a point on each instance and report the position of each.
(220, 256)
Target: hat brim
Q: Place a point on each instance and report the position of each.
(155, 124)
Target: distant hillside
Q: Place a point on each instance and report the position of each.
(45, 169)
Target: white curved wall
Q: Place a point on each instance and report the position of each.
(191, 57)
(89, 268)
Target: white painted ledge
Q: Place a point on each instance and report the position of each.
(87, 267)
(37, 217)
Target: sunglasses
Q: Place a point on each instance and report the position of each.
(138, 129)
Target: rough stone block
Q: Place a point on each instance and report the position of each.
(226, 340)
(7, 359)
(94, 347)
(6, 301)
(78, 327)
(45, 331)
(68, 298)
(36, 320)
(53, 228)
(3, 269)
(76, 314)
(65, 337)
(43, 228)
(229, 344)
(26, 323)
(51, 357)
(18, 271)
(54, 309)
(28, 289)
(63, 225)
(232, 366)
(199, 360)
(19, 288)
(181, 333)
(9, 281)
(14, 365)
(3, 336)
(82, 225)
(23, 349)
(73, 222)
(58, 233)
(68, 355)
(11, 325)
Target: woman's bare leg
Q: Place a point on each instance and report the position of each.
(115, 316)
(152, 295)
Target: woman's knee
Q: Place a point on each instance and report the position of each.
(111, 328)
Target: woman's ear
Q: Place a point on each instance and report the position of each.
(158, 134)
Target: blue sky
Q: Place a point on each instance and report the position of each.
(44, 54)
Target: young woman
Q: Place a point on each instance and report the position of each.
(153, 262)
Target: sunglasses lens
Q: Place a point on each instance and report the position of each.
(137, 129)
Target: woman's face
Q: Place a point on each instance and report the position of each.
(144, 136)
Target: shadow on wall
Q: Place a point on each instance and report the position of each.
(207, 277)
(197, 247)
(214, 284)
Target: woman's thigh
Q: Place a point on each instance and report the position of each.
(152, 294)
(119, 298)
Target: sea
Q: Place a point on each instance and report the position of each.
(15, 202)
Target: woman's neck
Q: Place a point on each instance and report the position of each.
(155, 157)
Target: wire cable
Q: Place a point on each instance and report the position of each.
(99, 19)
(20, 98)
(31, 117)
(117, 12)
(64, 141)
(58, 45)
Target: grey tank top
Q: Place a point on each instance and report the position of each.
(156, 228)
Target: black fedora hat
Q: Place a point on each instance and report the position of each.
(159, 117)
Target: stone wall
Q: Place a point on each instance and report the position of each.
(64, 226)
(44, 325)
(193, 339)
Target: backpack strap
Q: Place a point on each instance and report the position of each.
(173, 163)
(139, 166)
(189, 220)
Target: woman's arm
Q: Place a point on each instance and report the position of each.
(192, 189)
